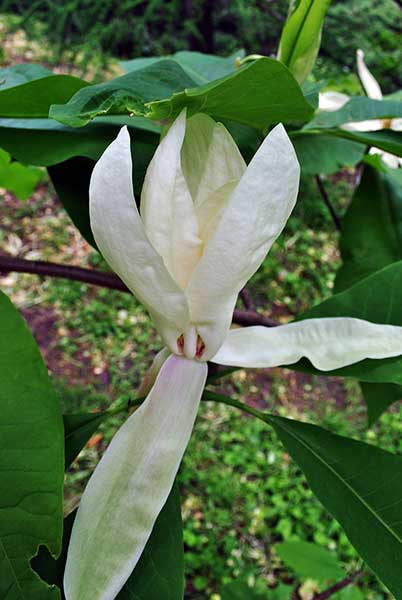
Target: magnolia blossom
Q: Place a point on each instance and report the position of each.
(206, 222)
(331, 101)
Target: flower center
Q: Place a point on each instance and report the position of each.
(190, 344)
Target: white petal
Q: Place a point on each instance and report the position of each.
(331, 101)
(153, 372)
(368, 80)
(131, 484)
(328, 343)
(396, 124)
(252, 220)
(210, 157)
(391, 160)
(167, 208)
(120, 236)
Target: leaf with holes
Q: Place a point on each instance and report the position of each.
(31, 460)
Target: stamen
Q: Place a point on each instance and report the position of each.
(200, 347)
(180, 343)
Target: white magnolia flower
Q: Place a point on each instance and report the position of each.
(205, 224)
(331, 101)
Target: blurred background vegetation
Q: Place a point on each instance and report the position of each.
(82, 31)
(241, 493)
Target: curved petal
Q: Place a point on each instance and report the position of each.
(253, 218)
(330, 101)
(131, 484)
(210, 157)
(121, 237)
(167, 208)
(369, 82)
(328, 343)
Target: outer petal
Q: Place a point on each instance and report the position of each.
(328, 343)
(167, 208)
(372, 125)
(369, 82)
(131, 484)
(330, 101)
(210, 157)
(120, 235)
(252, 220)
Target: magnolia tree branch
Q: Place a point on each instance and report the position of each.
(103, 279)
(340, 585)
(327, 203)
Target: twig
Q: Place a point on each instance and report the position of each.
(102, 279)
(340, 585)
(327, 203)
(247, 299)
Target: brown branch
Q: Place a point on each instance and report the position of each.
(327, 203)
(246, 299)
(102, 279)
(340, 585)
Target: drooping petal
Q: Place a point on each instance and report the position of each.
(210, 157)
(251, 221)
(121, 237)
(331, 101)
(369, 82)
(167, 208)
(328, 343)
(131, 484)
(153, 372)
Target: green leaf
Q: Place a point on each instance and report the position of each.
(372, 239)
(377, 299)
(385, 139)
(325, 154)
(31, 460)
(160, 570)
(371, 235)
(33, 98)
(21, 73)
(259, 93)
(18, 179)
(240, 590)
(360, 485)
(77, 431)
(359, 108)
(301, 36)
(45, 142)
(200, 67)
(378, 397)
(310, 561)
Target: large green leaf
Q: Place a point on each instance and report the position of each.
(310, 561)
(18, 179)
(385, 139)
(200, 67)
(325, 154)
(257, 94)
(371, 239)
(160, 570)
(33, 98)
(31, 460)
(301, 36)
(46, 142)
(360, 485)
(21, 73)
(376, 298)
(372, 227)
(359, 108)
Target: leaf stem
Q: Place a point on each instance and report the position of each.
(327, 203)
